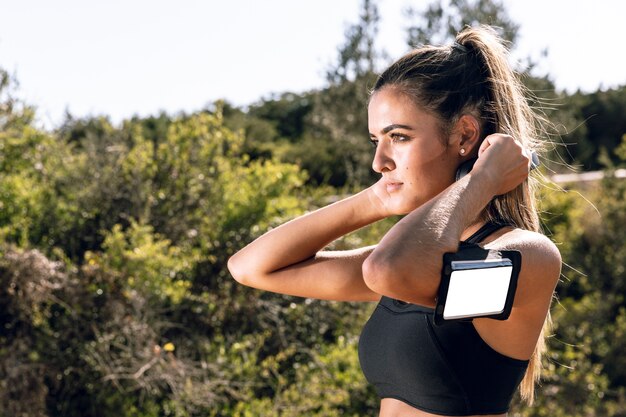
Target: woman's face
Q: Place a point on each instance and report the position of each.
(410, 153)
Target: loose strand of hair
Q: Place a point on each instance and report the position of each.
(515, 117)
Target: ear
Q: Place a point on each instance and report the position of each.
(466, 134)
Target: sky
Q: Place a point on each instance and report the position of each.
(121, 58)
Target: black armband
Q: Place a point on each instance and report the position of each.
(477, 282)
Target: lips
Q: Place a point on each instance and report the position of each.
(393, 186)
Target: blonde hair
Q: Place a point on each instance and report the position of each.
(473, 76)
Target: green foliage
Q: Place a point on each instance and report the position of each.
(338, 118)
(357, 56)
(339, 127)
(285, 112)
(604, 113)
(144, 224)
(583, 375)
(28, 286)
(620, 151)
(329, 384)
(145, 262)
(442, 20)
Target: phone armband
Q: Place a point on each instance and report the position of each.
(477, 282)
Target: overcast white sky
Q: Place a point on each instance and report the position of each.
(125, 57)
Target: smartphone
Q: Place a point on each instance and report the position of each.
(477, 288)
(477, 282)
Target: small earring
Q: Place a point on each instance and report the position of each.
(462, 151)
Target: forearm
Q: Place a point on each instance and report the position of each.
(417, 242)
(301, 238)
(440, 222)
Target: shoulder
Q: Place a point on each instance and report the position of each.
(541, 259)
(536, 248)
(538, 277)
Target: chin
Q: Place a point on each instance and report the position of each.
(406, 204)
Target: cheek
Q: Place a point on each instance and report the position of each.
(429, 177)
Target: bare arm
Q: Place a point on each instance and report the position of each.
(288, 260)
(419, 240)
(541, 268)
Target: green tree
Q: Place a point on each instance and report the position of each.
(338, 121)
(357, 56)
(565, 129)
(287, 112)
(442, 20)
(604, 113)
(584, 376)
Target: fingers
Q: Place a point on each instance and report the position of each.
(484, 145)
(501, 139)
(496, 139)
(505, 159)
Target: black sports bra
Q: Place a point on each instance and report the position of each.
(446, 369)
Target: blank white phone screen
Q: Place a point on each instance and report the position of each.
(474, 292)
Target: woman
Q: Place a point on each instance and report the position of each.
(429, 112)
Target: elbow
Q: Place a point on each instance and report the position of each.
(237, 270)
(384, 276)
(378, 274)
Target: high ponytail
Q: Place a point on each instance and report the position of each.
(473, 76)
(514, 116)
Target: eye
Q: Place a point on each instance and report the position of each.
(397, 137)
(374, 142)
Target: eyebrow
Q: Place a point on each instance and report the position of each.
(392, 127)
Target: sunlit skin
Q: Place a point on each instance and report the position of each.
(417, 163)
(410, 155)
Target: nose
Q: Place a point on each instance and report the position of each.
(383, 162)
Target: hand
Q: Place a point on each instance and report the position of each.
(503, 162)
